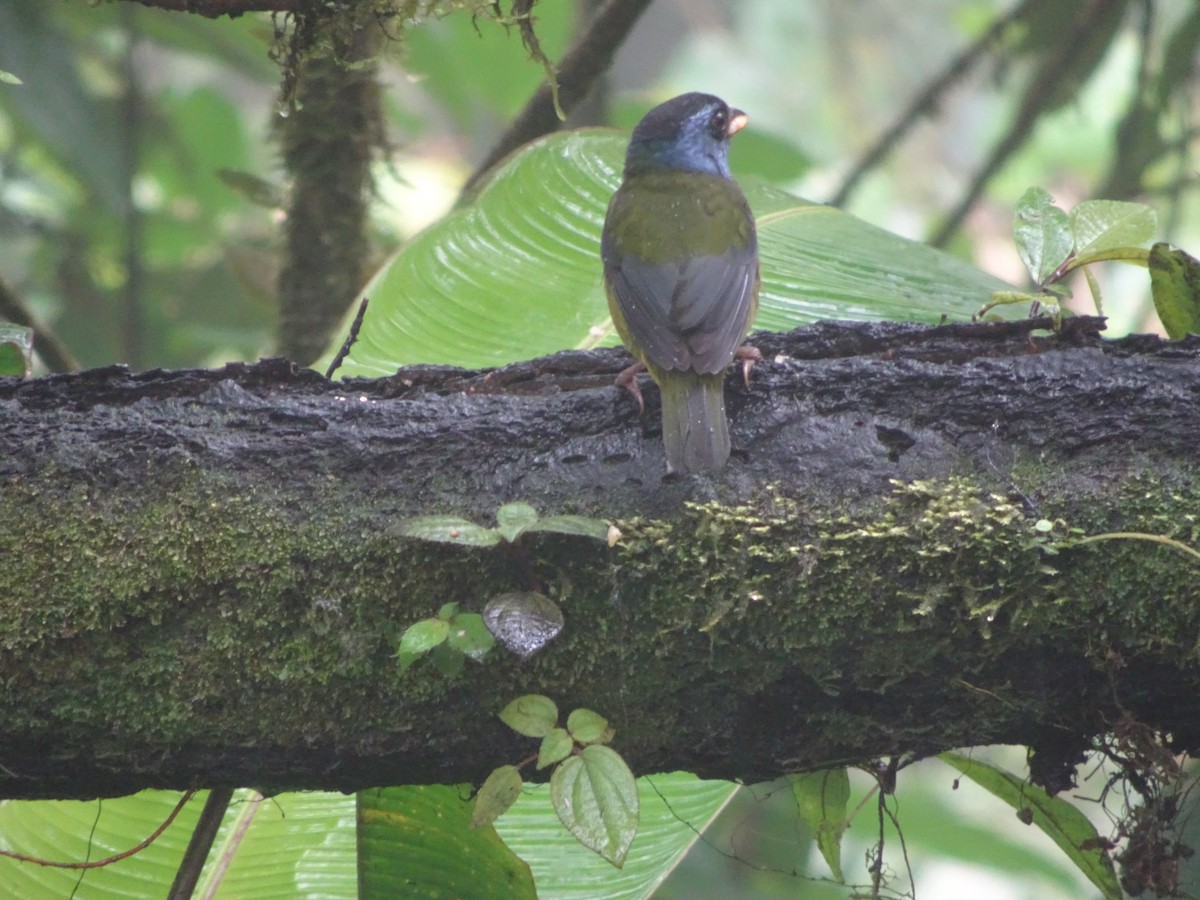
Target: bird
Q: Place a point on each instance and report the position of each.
(680, 256)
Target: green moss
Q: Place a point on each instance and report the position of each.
(196, 598)
(197, 603)
(949, 557)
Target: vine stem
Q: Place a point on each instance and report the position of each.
(1134, 536)
(108, 860)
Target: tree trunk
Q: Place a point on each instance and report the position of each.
(204, 573)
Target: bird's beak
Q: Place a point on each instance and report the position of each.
(737, 121)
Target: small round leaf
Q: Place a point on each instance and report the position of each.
(589, 727)
(419, 638)
(531, 715)
(447, 660)
(514, 518)
(556, 746)
(468, 635)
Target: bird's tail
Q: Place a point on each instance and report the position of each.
(695, 433)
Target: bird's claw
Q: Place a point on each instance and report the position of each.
(748, 356)
(628, 380)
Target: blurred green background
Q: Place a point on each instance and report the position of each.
(142, 203)
(142, 198)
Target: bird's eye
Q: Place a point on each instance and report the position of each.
(718, 124)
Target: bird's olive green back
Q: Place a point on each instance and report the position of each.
(663, 216)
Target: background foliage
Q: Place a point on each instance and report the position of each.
(141, 205)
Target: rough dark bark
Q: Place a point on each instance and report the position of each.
(205, 575)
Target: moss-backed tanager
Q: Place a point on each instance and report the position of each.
(681, 270)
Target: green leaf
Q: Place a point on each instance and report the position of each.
(588, 727)
(417, 841)
(513, 518)
(556, 746)
(532, 715)
(516, 273)
(407, 659)
(1099, 225)
(1043, 234)
(74, 830)
(449, 530)
(448, 661)
(1175, 285)
(499, 792)
(574, 525)
(469, 636)
(821, 798)
(448, 611)
(596, 798)
(1062, 822)
(290, 846)
(16, 350)
(419, 638)
(676, 809)
(9, 78)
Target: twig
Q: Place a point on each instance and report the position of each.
(926, 102)
(585, 62)
(1045, 87)
(49, 346)
(350, 339)
(214, 9)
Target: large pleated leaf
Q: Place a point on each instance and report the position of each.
(287, 847)
(417, 841)
(675, 810)
(298, 845)
(76, 831)
(516, 273)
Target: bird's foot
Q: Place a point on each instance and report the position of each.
(628, 380)
(748, 356)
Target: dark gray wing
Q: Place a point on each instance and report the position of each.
(687, 315)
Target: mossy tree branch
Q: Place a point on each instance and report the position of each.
(205, 576)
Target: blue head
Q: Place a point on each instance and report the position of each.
(690, 133)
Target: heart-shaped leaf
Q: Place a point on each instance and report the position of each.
(596, 798)
(1043, 234)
